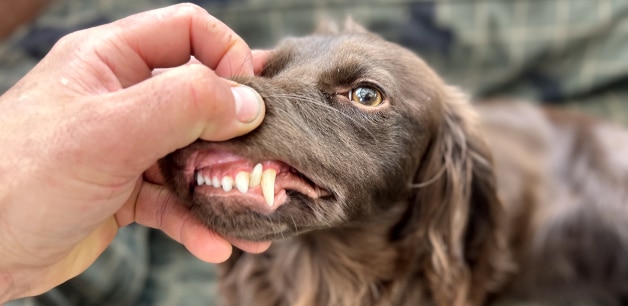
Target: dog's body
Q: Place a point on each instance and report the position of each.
(563, 179)
(397, 200)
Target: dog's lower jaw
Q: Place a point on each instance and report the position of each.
(329, 267)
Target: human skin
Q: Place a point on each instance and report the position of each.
(81, 129)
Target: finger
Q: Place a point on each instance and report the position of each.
(205, 244)
(170, 111)
(156, 207)
(158, 71)
(250, 246)
(167, 37)
(154, 175)
(260, 57)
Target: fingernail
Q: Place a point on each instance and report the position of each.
(248, 103)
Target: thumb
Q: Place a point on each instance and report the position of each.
(173, 109)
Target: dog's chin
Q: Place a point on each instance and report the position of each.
(247, 217)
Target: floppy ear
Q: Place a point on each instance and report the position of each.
(455, 209)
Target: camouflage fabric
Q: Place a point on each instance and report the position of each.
(570, 53)
(563, 52)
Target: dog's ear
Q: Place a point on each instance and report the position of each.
(353, 27)
(327, 26)
(456, 211)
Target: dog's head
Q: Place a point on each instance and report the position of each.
(349, 118)
(354, 126)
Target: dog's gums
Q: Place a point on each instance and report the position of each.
(221, 174)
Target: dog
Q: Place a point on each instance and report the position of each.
(380, 184)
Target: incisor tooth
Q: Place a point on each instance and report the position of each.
(208, 182)
(215, 182)
(242, 181)
(268, 186)
(199, 179)
(256, 175)
(227, 183)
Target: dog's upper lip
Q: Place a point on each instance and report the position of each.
(216, 165)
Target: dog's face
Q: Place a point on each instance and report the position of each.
(349, 118)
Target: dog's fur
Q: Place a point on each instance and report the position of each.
(430, 201)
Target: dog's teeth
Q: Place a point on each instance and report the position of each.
(268, 186)
(227, 183)
(242, 181)
(199, 179)
(214, 181)
(207, 181)
(256, 175)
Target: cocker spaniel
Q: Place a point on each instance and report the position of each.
(382, 185)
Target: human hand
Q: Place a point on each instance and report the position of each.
(79, 131)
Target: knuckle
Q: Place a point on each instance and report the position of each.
(82, 39)
(68, 41)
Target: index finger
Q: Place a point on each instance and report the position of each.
(167, 37)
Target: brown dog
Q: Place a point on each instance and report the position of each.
(379, 188)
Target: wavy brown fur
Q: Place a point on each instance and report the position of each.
(419, 213)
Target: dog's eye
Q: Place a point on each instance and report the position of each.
(365, 95)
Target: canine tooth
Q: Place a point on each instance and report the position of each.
(256, 175)
(227, 183)
(242, 181)
(268, 186)
(215, 182)
(199, 179)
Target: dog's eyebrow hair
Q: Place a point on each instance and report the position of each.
(344, 74)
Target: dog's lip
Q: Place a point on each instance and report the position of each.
(229, 164)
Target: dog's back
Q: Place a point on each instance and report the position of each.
(564, 180)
